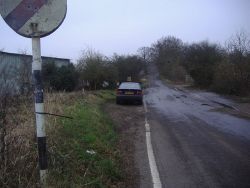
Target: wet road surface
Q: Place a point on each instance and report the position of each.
(194, 144)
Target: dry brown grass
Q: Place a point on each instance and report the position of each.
(20, 168)
(68, 141)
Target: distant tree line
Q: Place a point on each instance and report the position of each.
(224, 69)
(97, 71)
(93, 71)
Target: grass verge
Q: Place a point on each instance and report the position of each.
(82, 151)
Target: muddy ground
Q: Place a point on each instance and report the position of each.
(129, 121)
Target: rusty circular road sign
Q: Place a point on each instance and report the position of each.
(33, 18)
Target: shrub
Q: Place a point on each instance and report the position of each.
(200, 62)
(59, 78)
(232, 79)
(174, 72)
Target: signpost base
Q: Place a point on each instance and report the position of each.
(43, 178)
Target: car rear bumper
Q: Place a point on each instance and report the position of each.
(129, 98)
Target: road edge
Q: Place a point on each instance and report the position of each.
(151, 157)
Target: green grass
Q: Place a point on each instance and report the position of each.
(90, 130)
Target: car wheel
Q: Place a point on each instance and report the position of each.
(118, 101)
(140, 102)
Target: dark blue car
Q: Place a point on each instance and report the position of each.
(129, 92)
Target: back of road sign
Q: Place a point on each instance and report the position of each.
(33, 18)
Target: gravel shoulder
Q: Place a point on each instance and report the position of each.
(129, 121)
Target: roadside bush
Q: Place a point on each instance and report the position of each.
(167, 50)
(63, 78)
(174, 72)
(97, 71)
(129, 66)
(94, 69)
(49, 71)
(201, 60)
(167, 53)
(232, 79)
(233, 75)
(225, 79)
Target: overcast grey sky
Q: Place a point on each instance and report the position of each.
(123, 26)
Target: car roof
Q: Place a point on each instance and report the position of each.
(130, 85)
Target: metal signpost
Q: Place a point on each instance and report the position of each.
(35, 19)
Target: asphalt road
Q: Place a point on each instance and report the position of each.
(195, 144)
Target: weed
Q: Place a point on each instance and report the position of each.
(84, 153)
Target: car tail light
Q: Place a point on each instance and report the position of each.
(118, 92)
(139, 92)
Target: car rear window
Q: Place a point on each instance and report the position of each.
(130, 85)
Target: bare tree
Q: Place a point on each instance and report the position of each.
(91, 68)
(232, 76)
(88, 55)
(238, 46)
(145, 53)
(167, 53)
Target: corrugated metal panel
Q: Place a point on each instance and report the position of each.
(12, 65)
